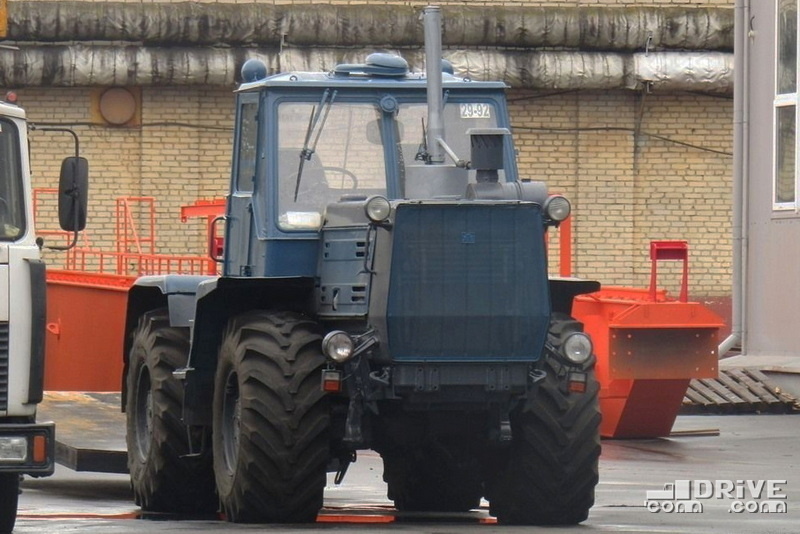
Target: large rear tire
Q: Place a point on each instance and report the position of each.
(9, 498)
(162, 478)
(552, 469)
(271, 419)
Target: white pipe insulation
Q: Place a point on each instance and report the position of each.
(391, 26)
(88, 65)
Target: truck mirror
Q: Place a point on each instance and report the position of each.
(73, 189)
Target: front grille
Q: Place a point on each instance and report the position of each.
(3, 366)
(468, 283)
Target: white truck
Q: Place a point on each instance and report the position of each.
(26, 447)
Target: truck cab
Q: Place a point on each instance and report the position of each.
(26, 447)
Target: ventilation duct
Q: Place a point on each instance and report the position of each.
(82, 65)
(392, 26)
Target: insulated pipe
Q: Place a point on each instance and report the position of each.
(83, 65)
(391, 26)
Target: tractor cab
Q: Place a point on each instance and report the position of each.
(309, 140)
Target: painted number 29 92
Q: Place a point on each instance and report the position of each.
(476, 111)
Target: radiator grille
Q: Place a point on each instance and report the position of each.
(3, 366)
(468, 283)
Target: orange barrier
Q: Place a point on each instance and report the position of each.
(85, 324)
(648, 349)
(86, 301)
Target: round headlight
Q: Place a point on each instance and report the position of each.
(577, 348)
(378, 209)
(338, 346)
(557, 208)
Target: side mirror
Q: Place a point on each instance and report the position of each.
(216, 243)
(73, 194)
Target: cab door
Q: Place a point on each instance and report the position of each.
(240, 226)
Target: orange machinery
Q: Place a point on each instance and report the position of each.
(87, 299)
(648, 348)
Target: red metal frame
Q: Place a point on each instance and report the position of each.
(669, 250)
(565, 248)
(648, 348)
(86, 301)
(127, 234)
(211, 210)
(134, 253)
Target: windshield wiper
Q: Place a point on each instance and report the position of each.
(308, 151)
(422, 149)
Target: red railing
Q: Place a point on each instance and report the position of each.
(134, 253)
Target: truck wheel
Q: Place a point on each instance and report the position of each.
(163, 479)
(9, 496)
(430, 482)
(271, 419)
(552, 467)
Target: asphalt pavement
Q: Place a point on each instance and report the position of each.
(728, 474)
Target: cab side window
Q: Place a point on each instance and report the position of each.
(246, 155)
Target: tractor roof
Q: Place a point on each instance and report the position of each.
(384, 71)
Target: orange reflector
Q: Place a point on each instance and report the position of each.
(40, 449)
(577, 387)
(331, 381)
(331, 386)
(335, 518)
(577, 383)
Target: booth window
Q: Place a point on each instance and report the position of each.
(785, 182)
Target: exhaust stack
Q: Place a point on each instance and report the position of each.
(432, 23)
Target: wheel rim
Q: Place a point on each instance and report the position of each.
(231, 418)
(143, 413)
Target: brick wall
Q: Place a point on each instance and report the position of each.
(635, 170)
(180, 153)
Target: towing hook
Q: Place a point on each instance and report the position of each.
(537, 375)
(382, 377)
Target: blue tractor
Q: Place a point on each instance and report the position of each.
(384, 287)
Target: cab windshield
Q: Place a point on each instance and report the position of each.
(12, 205)
(332, 149)
(324, 153)
(459, 118)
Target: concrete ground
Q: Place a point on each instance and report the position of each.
(716, 454)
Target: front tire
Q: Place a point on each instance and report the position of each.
(552, 469)
(162, 478)
(271, 419)
(9, 498)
